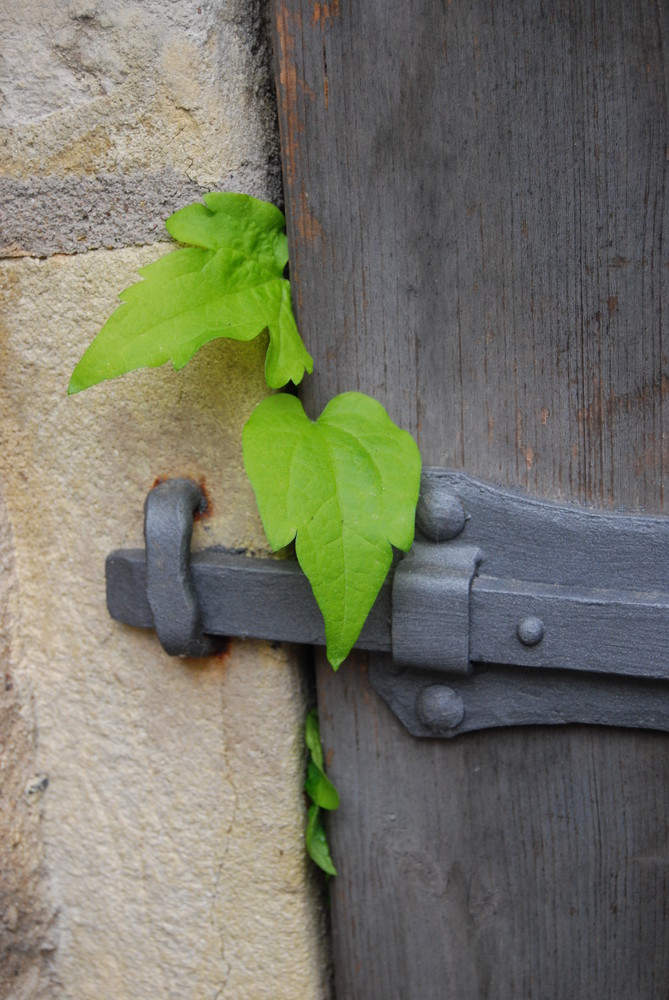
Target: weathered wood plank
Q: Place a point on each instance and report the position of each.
(516, 864)
(476, 201)
(477, 206)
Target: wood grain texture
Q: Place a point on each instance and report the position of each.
(516, 864)
(478, 214)
(476, 204)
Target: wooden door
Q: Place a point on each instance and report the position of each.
(477, 203)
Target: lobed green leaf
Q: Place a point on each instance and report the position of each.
(345, 487)
(228, 283)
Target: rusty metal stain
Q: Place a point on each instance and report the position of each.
(310, 235)
(652, 458)
(324, 12)
(291, 87)
(528, 455)
(593, 414)
(288, 85)
(307, 225)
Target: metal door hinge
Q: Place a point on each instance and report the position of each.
(508, 610)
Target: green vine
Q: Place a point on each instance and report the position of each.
(344, 487)
(322, 793)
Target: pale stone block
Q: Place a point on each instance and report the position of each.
(116, 113)
(112, 85)
(172, 821)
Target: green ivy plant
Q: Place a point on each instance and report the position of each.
(227, 282)
(322, 793)
(344, 487)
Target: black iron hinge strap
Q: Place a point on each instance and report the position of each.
(568, 607)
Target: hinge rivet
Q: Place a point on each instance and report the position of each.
(531, 631)
(440, 707)
(440, 516)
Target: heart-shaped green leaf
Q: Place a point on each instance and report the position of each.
(228, 283)
(346, 487)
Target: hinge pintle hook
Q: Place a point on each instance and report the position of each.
(168, 528)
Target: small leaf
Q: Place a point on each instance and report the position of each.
(228, 283)
(323, 794)
(312, 738)
(346, 487)
(320, 789)
(316, 841)
(318, 786)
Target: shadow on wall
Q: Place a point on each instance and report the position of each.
(27, 916)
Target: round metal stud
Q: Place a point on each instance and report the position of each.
(530, 631)
(439, 707)
(439, 515)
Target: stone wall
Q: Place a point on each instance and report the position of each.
(151, 813)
